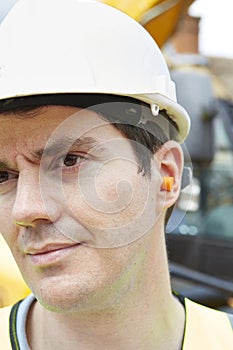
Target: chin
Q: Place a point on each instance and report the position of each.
(66, 296)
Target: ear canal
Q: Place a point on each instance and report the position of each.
(168, 183)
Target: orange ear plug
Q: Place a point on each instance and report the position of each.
(168, 183)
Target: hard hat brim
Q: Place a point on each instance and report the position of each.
(174, 110)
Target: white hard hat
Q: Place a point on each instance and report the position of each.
(75, 46)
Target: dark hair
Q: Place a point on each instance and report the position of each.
(126, 119)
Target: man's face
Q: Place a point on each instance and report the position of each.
(73, 205)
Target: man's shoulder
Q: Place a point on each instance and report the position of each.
(9, 319)
(4, 327)
(5, 313)
(207, 328)
(207, 312)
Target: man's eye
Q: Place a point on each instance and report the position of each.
(72, 160)
(8, 181)
(67, 163)
(6, 176)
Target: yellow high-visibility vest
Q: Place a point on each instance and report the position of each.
(205, 329)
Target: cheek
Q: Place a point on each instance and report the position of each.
(116, 208)
(113, 192)
(7, 226)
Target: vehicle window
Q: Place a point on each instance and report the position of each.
(218, 187)
(206, 207)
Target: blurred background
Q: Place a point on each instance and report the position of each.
(195, 37)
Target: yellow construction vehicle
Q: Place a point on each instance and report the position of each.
(159, 17)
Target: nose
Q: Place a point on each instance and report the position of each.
(32, 202)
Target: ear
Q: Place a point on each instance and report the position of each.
(169, 160)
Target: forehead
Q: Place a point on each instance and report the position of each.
(43, 122)
(51, 124)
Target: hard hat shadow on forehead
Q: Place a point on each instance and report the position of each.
(74, 46)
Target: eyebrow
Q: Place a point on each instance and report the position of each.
(59, 145)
